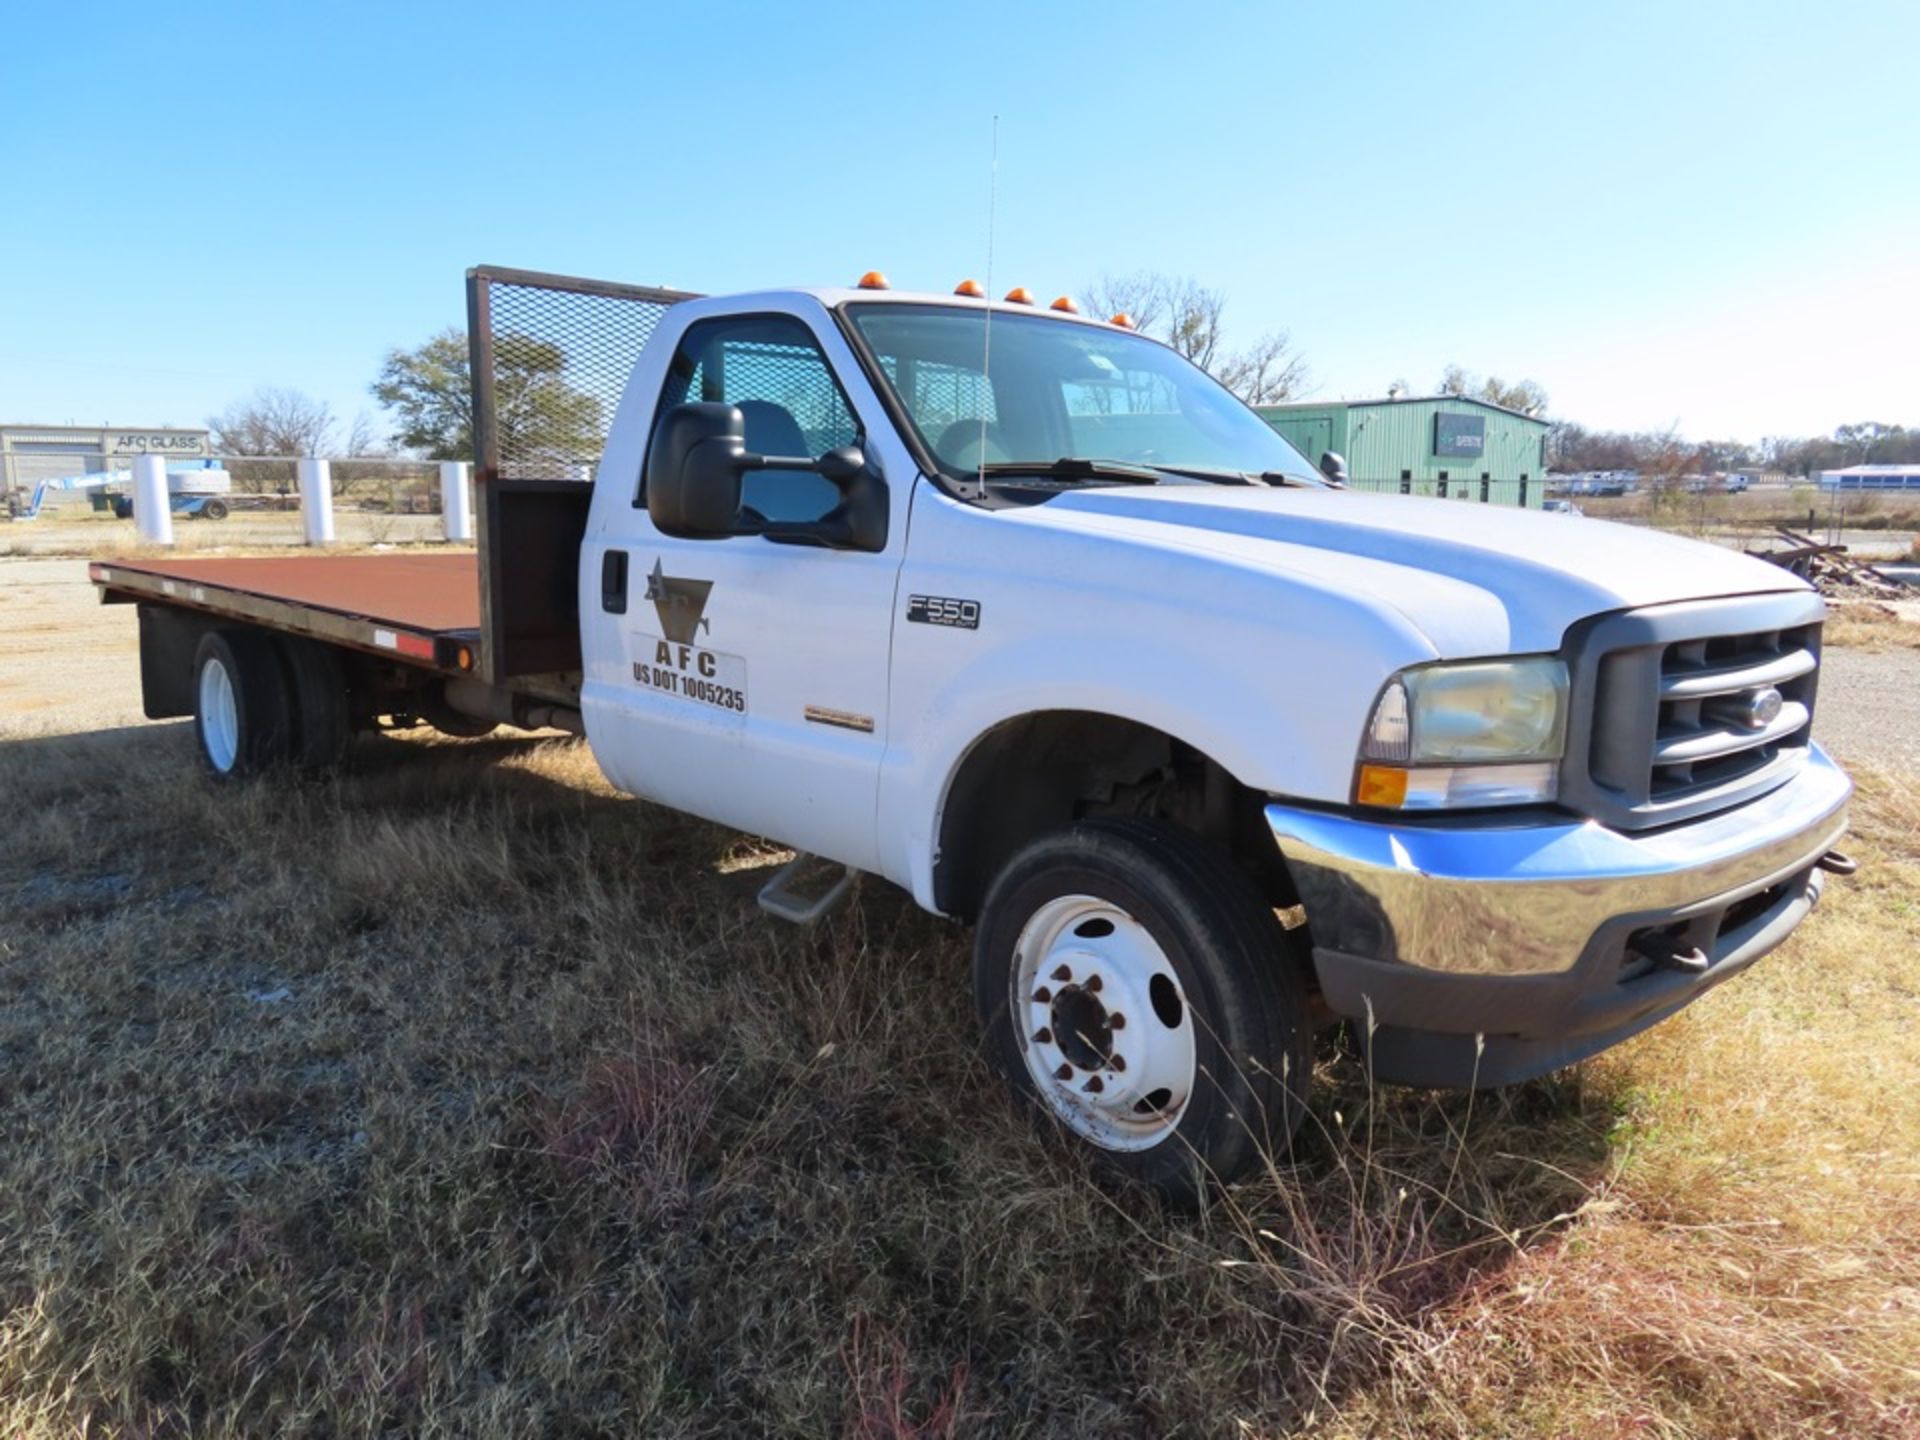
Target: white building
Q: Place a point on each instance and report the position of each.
(1872, 477)
(32, 453)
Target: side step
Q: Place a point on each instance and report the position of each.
(781, 897)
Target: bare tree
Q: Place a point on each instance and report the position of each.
(1141, 297)
(274, 420)
(364, 440)
(1528, 397)
(1266, 372)
(1193, 321)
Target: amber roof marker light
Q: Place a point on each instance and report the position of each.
(1064, 304)
(874, 280)
(972, 289)
(1123, 320)
(1019, 295)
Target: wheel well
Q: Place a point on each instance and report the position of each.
(1042, 771)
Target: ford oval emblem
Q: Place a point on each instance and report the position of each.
(1763, 708)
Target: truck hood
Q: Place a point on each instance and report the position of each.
(1475, 579)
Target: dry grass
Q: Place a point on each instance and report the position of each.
(74, 533)
(1870, 625)
(464, 1097)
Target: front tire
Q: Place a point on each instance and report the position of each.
(241, 711)
(1134, 986)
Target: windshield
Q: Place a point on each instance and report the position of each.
(1061, 390)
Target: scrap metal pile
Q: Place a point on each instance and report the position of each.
(1830, 569)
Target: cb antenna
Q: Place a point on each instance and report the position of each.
(986, 355)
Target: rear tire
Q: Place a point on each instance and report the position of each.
(214, 510)
(321, 721)
(241, 711)
(1138, 990)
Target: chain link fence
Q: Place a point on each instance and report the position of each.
(232, 500)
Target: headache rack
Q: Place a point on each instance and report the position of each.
(549, 357)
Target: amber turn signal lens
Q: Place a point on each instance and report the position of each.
(1020, 295)
(874, 280)
(972, 289)
(1123, 320)
(1065, 304)
(1382, 785)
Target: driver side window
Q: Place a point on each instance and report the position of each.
(770, 367)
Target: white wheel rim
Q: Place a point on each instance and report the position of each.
(219, 715)
(1103, 1023)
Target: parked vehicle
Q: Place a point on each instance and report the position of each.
(1057, 635)
(194, 507)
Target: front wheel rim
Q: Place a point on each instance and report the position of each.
(1103, 1023)
(219, 716)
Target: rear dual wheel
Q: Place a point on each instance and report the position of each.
(1138, 990)
(265, 702)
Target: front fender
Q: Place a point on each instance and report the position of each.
(1270, 679)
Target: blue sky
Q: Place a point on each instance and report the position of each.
(1697, 213)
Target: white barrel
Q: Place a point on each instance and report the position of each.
(152, 511)
(316, 500)
(456, 507)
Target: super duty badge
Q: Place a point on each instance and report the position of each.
(943, 610)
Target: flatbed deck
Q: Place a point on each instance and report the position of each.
(420, 608)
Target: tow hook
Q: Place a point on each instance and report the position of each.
(1665, 950)
(1835, 862)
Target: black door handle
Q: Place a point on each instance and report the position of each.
(613, 582)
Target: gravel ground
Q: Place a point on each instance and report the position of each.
(1865, 712)
(68, 663)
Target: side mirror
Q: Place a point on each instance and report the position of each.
(693, 471)
(1334, 466)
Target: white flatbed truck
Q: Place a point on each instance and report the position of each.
(1026, 614)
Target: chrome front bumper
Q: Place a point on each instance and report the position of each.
(1485, 926)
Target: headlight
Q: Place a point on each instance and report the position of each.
(1487, 732)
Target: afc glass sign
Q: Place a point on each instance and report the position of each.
(156, 442)
(1460, 436)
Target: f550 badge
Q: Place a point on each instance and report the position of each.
(943, 610)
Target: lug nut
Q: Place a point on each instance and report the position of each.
(1043, 996)
(1093, 1085)
(1117, 1063)
(1043, 1036)
(1065, 1072)
(1063, 974)
(1093, 982)
(1116, 1021)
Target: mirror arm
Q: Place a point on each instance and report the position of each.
(751, 461)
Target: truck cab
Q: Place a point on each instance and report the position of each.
(1023, 612)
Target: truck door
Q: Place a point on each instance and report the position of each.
(740, 678)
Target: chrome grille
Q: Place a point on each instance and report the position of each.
(1683, 710)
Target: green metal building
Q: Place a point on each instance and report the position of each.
(1444, 445)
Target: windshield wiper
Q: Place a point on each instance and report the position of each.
(1244, 477)
(1072, 467)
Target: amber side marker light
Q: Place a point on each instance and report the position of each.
(1020, 295)
(874, 280)
(1065, 305)
(1123, 320)
(464, 658)
(1382, 785)
(972, 289)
